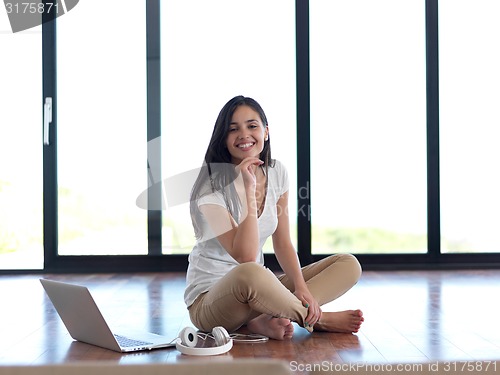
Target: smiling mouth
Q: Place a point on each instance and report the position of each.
(246, 146)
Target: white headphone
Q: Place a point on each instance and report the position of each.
(188, 338)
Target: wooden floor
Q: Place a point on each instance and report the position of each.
(410, 317)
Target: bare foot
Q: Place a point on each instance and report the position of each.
(274, 328)
(348, 321)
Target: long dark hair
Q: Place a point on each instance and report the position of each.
(218, 172)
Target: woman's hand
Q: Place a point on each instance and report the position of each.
(314, 310)
(247, 169)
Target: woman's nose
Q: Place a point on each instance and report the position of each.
(243, 134)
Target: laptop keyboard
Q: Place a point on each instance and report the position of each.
(125, 342)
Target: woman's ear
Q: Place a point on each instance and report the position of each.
(266, 133)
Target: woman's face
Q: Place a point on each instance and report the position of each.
(246, 134)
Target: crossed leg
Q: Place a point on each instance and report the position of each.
(251, 294)
(328, 279)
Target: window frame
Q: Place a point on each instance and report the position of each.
(155, 261)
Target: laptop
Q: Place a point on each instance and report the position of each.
(85, 323)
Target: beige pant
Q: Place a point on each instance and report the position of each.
(251, 289)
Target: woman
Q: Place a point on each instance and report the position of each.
(239, 200)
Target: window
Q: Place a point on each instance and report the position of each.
(366, 63)
(102, 142)
(469, 125)
(240, 49)
(368, 126)
(21, 220)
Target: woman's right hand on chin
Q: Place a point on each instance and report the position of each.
(247, 169)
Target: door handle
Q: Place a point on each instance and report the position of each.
(47, 119)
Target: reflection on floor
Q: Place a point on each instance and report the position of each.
(410, 317)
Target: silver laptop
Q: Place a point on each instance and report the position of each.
(85, 323)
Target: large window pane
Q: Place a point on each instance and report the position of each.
(102, 128)
(368, 126)
(469, 33)
(21, 220)
(239, 49)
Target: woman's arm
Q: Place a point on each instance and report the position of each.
(241, 241)
(289, 262)
(283, 247)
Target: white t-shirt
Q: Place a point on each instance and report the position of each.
(209, 261)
